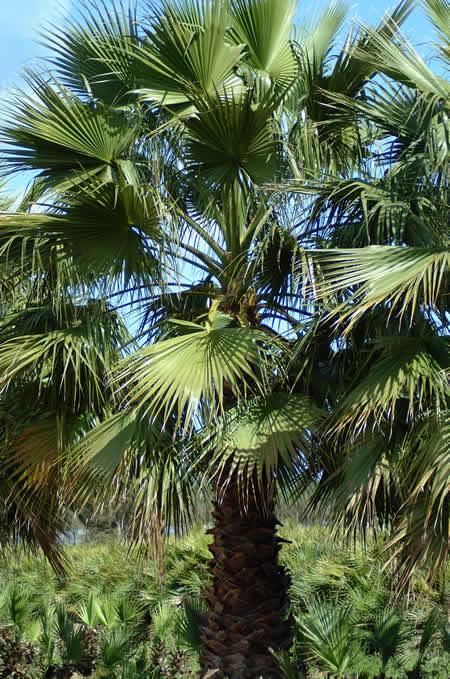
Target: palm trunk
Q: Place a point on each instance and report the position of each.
(248, 602)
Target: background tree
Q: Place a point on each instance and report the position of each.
(387, 442)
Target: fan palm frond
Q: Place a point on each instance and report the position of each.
(261, 437)
(398, 59)
(186, 52)
(408, 369)
(94, 55)
(63, 138)
(232, 139)
(327, 634)
(199, 366)
(101, 231)
(71, 361)
(404, 277)
(264, 27)
(439, 13)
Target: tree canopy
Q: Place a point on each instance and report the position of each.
(231, 263)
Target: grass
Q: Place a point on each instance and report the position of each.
(112, 616)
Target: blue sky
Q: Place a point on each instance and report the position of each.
(19, 22)
(21, 19)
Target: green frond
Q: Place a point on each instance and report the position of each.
(362, 211)
(279, 267)
(439, 13)
(164, 620)
(65, 139)
(71, 363)
(186, 52)
(412, 124)
(317, 44)
(264, 28)
(430, 467)
(404, 277)
(396, 480)
(72, 638)
(7, 199)
(130, 460)
(327, 635)
(103, 231)
(408, 371)
(262, 435)
(326, 134)
(94, 55)
(360, 488)
(89, 612)
(388, 635)
(232, 138)
(163, 496)
(103, 448)
(16, 608)
(113, 232)
(398, 59)
(421, 535)
(416, 544)
(115, 648)
(196, 369)
(350, 71)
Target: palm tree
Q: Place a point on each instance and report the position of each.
(387, 449)
(55, 360)
(183, 171)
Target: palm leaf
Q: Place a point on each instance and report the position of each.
(16, 608)
(331, 137)
(431, 470)
(398, 59)
(72, 638)
(360, 487)
(103, 231)
(65, 139)
(232, 139)
(260, 437)
(72, 362)
(413, 124)
(115, 648)
(350, 70)
(190, 623)
(408, 370)
(389, 635)
(29, 486)
(128, 459)
(95, 54)
(265, 27)
(403, 277)
(416, 544)
(186, 52)
(182, 373)
(327, 634)
(319, 41)
(421, 535)
(439, 13)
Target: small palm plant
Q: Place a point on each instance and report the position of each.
(18, 627)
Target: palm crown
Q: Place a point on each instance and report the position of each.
(274, 217)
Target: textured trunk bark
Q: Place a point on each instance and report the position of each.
(248, 599)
